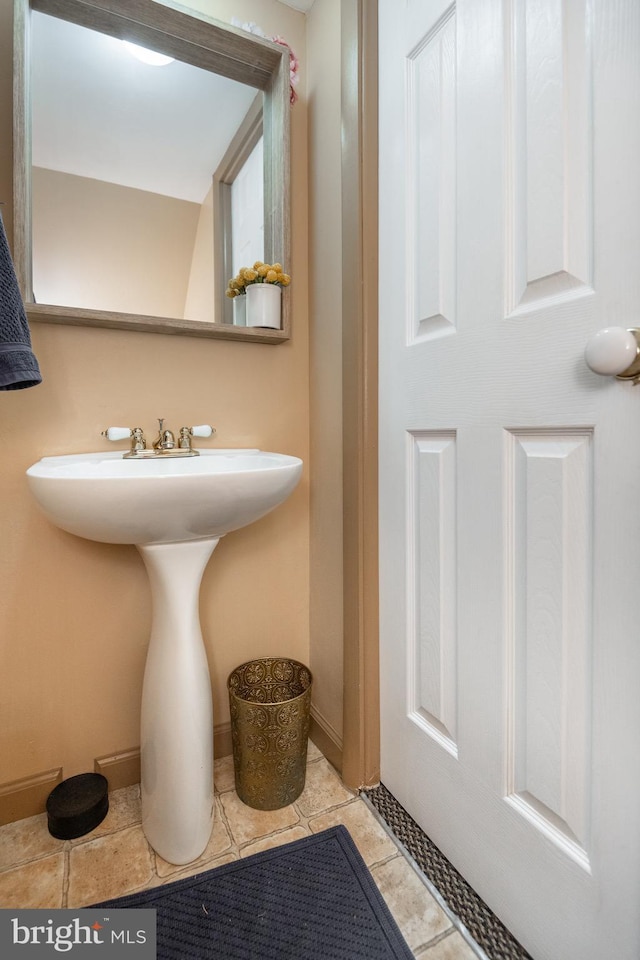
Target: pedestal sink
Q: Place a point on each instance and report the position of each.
(174, 511)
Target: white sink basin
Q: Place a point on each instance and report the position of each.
(101, 496)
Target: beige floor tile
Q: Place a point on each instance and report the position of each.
(116, 858)
(26, 840)
(36, 885)
(192, 869)
(124, 811)
(417, 914)
(323, 789)
(453, 947)
(109, 867)
(223, 775)
(312, 751)
(248, 824)
(276, 840)
(367, 834)
(219, 843)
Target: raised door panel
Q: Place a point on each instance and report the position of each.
(431, 576)
(430, 179)
(549, 587)
(549, 127)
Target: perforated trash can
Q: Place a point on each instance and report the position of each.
(270, 701)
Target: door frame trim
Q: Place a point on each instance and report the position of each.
(361, 706)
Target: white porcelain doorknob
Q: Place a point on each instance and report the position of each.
(612, 351)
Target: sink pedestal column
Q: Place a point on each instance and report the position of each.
(177, 713)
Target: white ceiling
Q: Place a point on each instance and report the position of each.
(100, 113)
(303, 5)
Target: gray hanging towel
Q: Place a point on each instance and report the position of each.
(18, 365)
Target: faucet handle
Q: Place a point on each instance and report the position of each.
(203, 430)
(117, 433)
(138, 441)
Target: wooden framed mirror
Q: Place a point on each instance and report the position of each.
(229, 73)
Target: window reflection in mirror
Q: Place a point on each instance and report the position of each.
(247, 212)
(125, 157)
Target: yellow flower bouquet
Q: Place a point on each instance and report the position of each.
(259, 273)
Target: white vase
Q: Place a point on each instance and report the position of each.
(264, 305)
(239, 311)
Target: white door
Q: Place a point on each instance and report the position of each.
(509, 472)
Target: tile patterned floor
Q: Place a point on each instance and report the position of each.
(38, 871)
(450, 887)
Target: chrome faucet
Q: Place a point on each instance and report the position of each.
(186, 433)
(138, 442)
(165, 443)
(165, 439)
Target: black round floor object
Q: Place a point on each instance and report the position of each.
(77, 805)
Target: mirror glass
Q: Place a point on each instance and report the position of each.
(124, 152)
(141, 186)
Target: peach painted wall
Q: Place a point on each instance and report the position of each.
(131, 250)
(200, 303)
(75, 615)
(325, 331)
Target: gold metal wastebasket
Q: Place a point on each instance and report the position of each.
(270, 701)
